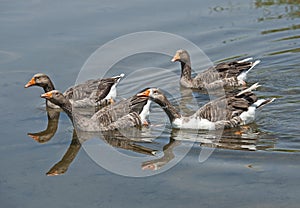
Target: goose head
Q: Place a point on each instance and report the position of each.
(158, 96)
(39, 79)
(55, 97)
(154, 94)
(181, 56)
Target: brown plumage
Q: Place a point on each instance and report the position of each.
(226, 74)
(126, 113)
(228, 111)
(93, 92)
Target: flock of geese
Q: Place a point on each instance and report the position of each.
(234, 109)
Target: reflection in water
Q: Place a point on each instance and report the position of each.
(186, 100)
(46, 135)
(293, 27)
(168, 155)
(62, 166)
(290, 9)
(247, 138)
(293, 50)
(119, 140)
(284, 9)
(113, 138)
(272, 9)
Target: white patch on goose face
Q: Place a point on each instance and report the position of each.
(146, 111)
(193, 123)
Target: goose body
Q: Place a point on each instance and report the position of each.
(193, 122)
(226, 74)
(93, 92)
(228, 111)
(131, 112)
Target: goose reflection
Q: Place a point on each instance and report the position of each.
(168, 155)
(62, 166)
(247, 138)
(52, 124)
(114, 138)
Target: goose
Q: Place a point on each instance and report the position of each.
(131, 112)
(228, 111)
(226, 74)
(93, 92)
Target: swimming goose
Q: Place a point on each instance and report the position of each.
(228, 111)
(226, 74)
(93, 92)
(131, 112)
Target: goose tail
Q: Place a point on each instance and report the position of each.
(243, 75)
(262, 102)
(245, 60)
(119, 77)
(250, 89)
(256, 62)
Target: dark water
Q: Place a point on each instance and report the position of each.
(258, 168)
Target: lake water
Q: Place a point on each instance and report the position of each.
(256, 168)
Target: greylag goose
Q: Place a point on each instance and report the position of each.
(228, 111)
(131, 112)
(226, 74)
(93, 92)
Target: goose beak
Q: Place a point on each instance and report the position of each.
(146, 93)
(47, 95)
(176, 57)
(30, 83)
(53, 173)
(150, 167)
(35, 137)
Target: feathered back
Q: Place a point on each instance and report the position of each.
(226, 107)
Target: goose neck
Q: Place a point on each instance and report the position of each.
(49, 86)
(170, 110)
(186, 70)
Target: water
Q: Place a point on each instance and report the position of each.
(258, 168)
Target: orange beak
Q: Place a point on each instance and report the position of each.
(149, 167)
(36, 138)
(53, 173)
(176, 57)
(30, 83)
(146, 93)
(47, 95)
